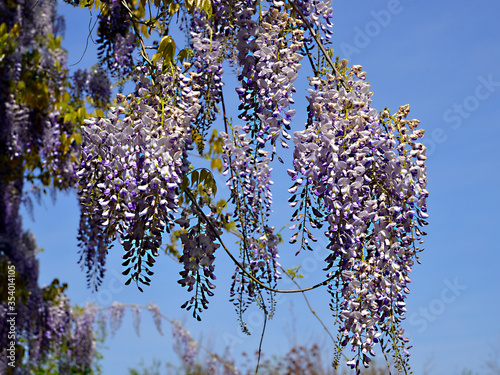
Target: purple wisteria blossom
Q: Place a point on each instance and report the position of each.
(184, 344)
(99, 87)
(54, 153)
(123, 48)
(270, 62)
(157, 316)
(199, 246)
(367, 177)
(133, 164)
(82, 340)
(209, 49)
(249, 180)
(116, 313)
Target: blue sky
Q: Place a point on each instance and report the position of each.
(441, 57)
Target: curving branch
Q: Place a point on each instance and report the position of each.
(238, 264)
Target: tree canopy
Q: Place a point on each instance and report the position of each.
(357, 175)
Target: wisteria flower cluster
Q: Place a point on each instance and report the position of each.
(99, 87)
(115, 38)
(55, 326)
(184, 344)
(56, 156)
(199, 246)
(366, 178)
(319, 14)
(83, 341)
(250, 185)
(123, 49)
(268, 73)
(116, 314)
(17, 118)
(208, 47)
(132, 167)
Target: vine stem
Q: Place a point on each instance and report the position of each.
(238, 264)
(316, 38)
(144, 53)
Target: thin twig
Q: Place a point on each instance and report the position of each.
(87, 41)
(309, 305)
(316, 38)
(261, 340)
(313, 66)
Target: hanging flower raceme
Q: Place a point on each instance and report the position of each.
(185, 345)
(366, 178)
(17, 120)
(267, 77)
(123, 48)
(83, 338)
(58, 158)
(116, 313)
(133, 163)
(116, 41)
(250, 183)
(208, 48)
(319, 14)
(359, 176)
(198, 243)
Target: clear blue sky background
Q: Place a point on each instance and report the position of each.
(441, 57)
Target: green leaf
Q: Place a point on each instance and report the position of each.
(195, 177)
(184, 54)
(216, 164)
(190, 5)
(206, 6)
(166, 49)
(203, 175)
(173, 8)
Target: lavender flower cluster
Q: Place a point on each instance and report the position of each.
(54, 328)
(83, 340)
(95, 83)
(116, 314)
(184, 344)
(208, 48)
(17, 119)
(268, 72)
(133, 163)
(99, 87)
(116, 41)
(199, 246)
(319, 14)
(269, 58)
(54, 153)
(368, 177)
(357, 174)
(123, 49)
(250, 182)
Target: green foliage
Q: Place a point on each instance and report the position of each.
(166, 51)
(8, 40)
(294, 272)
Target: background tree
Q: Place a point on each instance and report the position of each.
(40, 117)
